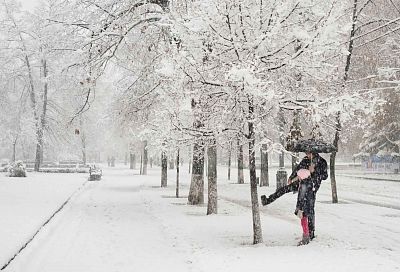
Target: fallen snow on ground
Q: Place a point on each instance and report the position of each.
(126, 222)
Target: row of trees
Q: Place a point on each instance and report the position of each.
(200, 75)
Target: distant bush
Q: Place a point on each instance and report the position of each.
(17, 169)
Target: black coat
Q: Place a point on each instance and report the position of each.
(320, 173)
(313, 183)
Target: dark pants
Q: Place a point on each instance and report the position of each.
(293, 187)
(311, 216)
(305, 198)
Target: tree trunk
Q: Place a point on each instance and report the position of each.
(338, 125)
(141, 164)
(240, 163)
(36, 116)
(333, 178)
(229, 161)
(132, 161)
(196, 192)
(39, 143)
(145, 159)
(112, 161)
(264, 177)
(41, 119)
(25, 153)
(164, 169)
(212, 206)
(177, 175)
(333, 159)
(39, 135)
(14, 148)
(44, 110)
(257, 231)
(83, 149)
(83, 140)
(206, 163)
(190, 161)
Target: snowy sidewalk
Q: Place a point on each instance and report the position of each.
(382, 177)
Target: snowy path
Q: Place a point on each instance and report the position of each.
(107, 227)
(127, 223)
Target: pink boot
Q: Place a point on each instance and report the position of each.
(306, 233)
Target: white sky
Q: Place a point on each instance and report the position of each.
(29, 5)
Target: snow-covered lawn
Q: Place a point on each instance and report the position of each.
(126, 222)
(25, 204)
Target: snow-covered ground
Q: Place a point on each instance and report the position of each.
(126, 222)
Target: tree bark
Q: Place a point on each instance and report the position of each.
(141, 164)
(41, 126)
(39, 146)
(257, 231)
(83, 140)
(164, 169)
(190, 161)
(196, 192)
(229, 161)
(264, 177)
(206, 163)
(14, 147)
(35, 114)
(145, 158)
(240, 163)
(333, 159)
(212, 205)
(177, 175)
(132, 161)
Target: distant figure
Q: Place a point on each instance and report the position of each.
(108, 161)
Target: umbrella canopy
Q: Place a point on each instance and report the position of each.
(312, 145)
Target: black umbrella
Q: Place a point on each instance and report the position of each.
(312, 145)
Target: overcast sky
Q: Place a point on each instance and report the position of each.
(29, 4)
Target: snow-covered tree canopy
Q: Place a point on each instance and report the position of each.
(183, 70)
